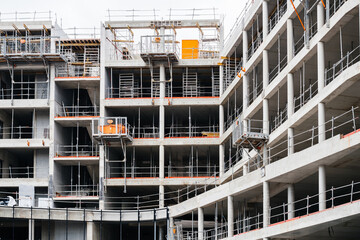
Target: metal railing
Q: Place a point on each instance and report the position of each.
(82, 33)
(232, 118)
(277, 69)
(24, 132)
(26, 16)
(191, 171)
(18, 172)
(348, 60)
(341, 124)
(231, 70)
(198, 91)
(192, 131)
(76, 151)
(255, 45)
(77, 71)
(132, 172)
(25, 90)
(11, 45)
(112, 127)
(200, 53)
(136, 92)
(159, 44)
(233, 160)
(258, 88)
(305, 96)
(280, 118)
(146, 132)
(77, 190)
(275, 18)
(76, 111)
(335, 6)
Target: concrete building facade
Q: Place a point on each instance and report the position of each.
(167, 129)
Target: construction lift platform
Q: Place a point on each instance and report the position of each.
(249, 134)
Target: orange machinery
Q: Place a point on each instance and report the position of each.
(112, 128)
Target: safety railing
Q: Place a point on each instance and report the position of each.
(132, 172)
(192, 131)
(276, 16)
(234, 159)
(277, 69)
(191, 171)
(18, 172)
(76, 190)
(77, 111)
(135, 92)
(77, 71)
(10, 45)
(257, 90)
(146, 132)
(348, 60)
(112, 127)
(159, 44)
(200, 53)
(231, 70)
(280, 118)
(218, 232)
(255, 45)
(335, 6)
(305, 96)
(82, 33)
(239, 22)
(198, 91)
(299, 44)
(25, 90)
(26, 16)
(24, 132)
(341, 124)
(232, 118)
(76, 150)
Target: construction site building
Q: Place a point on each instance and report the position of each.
(163, 127)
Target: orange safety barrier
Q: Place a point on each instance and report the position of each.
(112, 129)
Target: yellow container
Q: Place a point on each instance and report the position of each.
(190, 49)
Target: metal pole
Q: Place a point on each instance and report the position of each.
(101, 216)
(84, 225)
(67, 223)
(154, 224)
(120, 227)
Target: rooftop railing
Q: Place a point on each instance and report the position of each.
(24, 132)
(26, 16)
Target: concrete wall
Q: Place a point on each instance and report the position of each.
(41, 163)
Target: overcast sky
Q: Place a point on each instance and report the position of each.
(89, 13)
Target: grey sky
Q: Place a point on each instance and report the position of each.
(89, 13)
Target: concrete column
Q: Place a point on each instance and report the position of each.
(291, 200)
(162, 99)
(161, 175)
(245, 92)
(266, 203)
(230, 215)
(266, 116)
(322, 188)
(200, 223)
(265, 69)
(245, 77)
(320, 15)
(321, 122)
(290, 39)
(103, 74)
(245, 47)
(90, 231)
(101, 177)
(221, 80)
(221, 119)
(221, 160)
(265, 18)
(171, 231)
(291, 148)
(321, 65)
(290, 94)
(31, 232)
(265, 129)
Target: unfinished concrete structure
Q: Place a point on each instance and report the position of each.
(138, 131)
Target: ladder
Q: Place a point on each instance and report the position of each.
(155, 86)
(190, 84)
(126, 85)
(215, 81)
